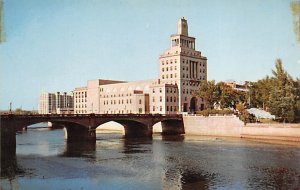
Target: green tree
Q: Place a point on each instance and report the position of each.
(19, 111)
(208, 92)
(283, 95)
(220, 93)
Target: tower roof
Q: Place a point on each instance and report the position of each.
(183, 26)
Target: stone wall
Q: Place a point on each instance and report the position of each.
(213, 125)
(289, 132)
(231, 126)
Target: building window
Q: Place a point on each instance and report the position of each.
(140, 101)
(167, 108)
(154, 89)
(167, 89)
(163, 69)
(174, 99)
(171, 75)
(153, 99)
(160, 108)
(160, 90)
(153, 108)
(167, 99)
(160, 99)
(171, 108)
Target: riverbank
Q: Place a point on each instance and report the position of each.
(172, 162)
(231, 126)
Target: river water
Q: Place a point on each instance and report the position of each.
(178, 162)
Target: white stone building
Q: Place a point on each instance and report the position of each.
(182, 68)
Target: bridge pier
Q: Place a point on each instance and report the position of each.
(172, 127)
(79, 133)
(8, 150)
(134, 129)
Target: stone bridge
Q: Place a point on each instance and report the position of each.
(82, 127)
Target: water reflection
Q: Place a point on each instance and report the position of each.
(161, 162)
(80, 149)
(137, 145)
(179, 138)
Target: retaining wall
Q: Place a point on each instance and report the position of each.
(231, 126)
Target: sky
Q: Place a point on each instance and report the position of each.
(57, 45)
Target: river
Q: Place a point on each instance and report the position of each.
(175, 162)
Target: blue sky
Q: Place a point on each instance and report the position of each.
(57, 45)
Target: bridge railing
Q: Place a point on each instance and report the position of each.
(6, 116)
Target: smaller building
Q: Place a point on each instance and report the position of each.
(80, 100)
(56, 103)
(238, 86)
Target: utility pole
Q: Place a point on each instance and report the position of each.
(10, 107)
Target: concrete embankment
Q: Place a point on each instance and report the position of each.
(231, 126)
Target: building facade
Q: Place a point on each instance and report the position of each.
(56, 103)
(181, 64)
(182, 68)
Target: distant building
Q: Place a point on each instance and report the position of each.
(80, 100)
(56, 103)
(239, 86)
(182, 68)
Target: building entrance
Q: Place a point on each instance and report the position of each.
(193, 105)
(185, 105)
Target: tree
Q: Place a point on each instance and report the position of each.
(19, 111)
(220, 93)
(208, 92)
(283, 95)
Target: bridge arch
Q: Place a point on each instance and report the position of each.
(111, 126)
(132, 128)
(74, 130)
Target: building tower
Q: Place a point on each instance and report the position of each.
(181, 64)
